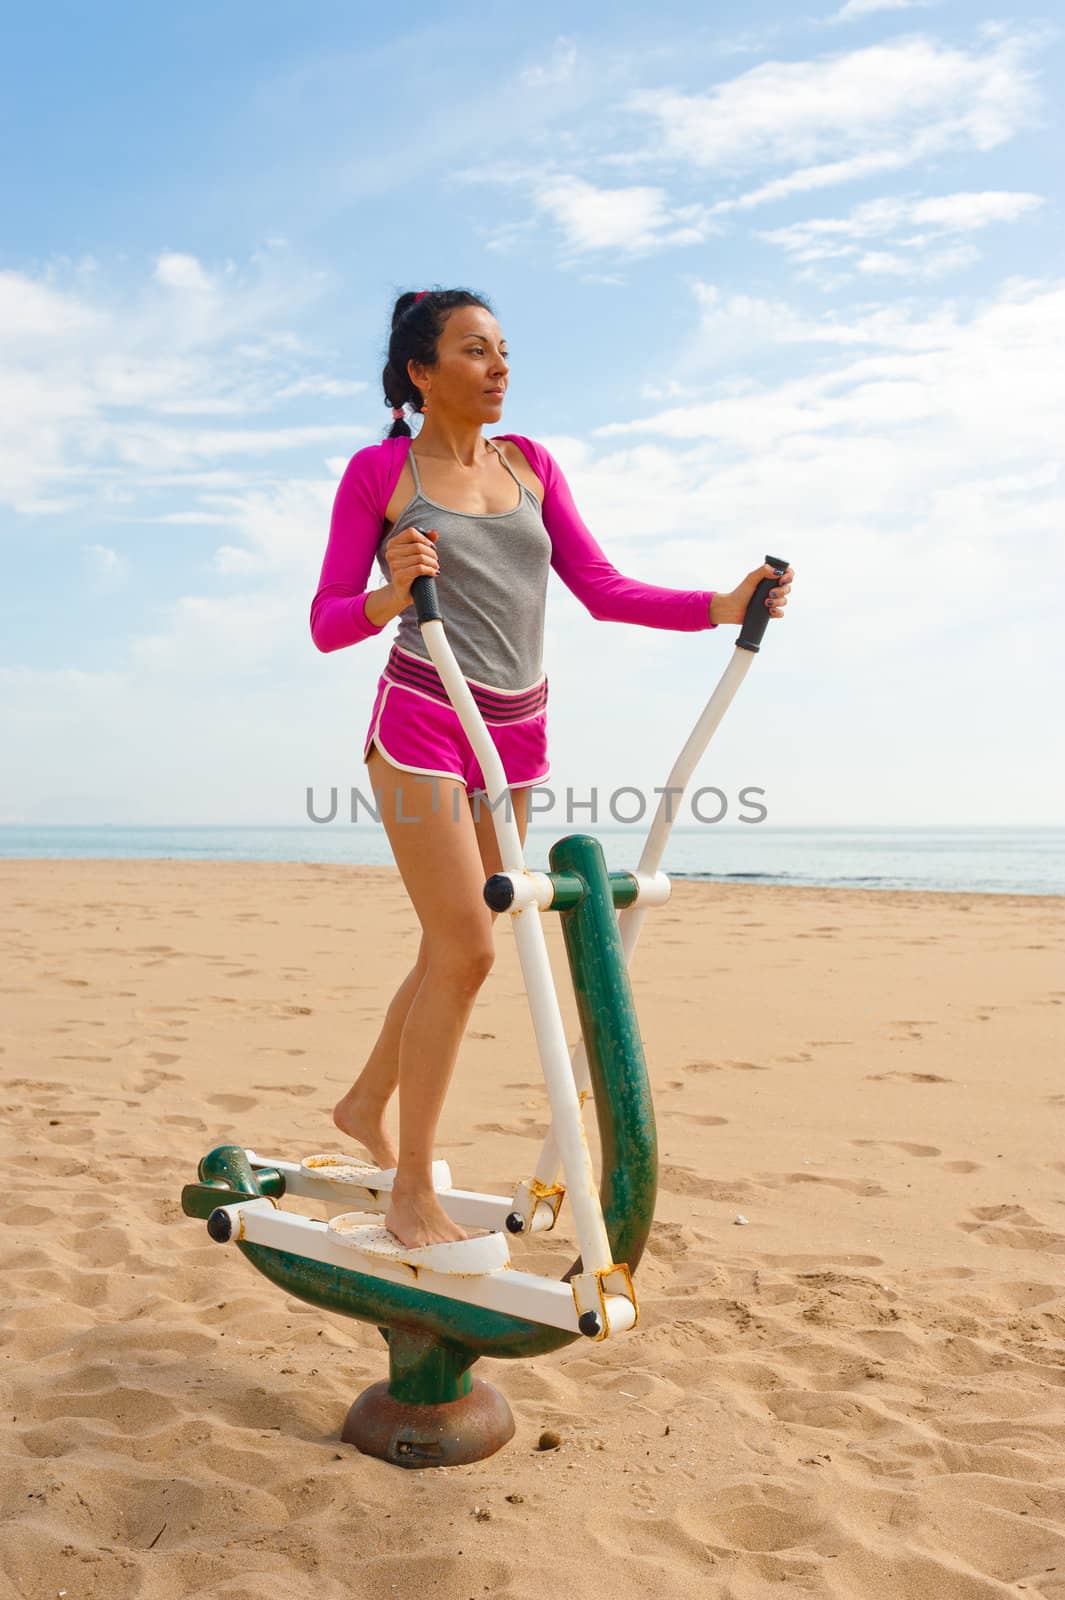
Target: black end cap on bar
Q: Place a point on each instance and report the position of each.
(220, 1226)
(499, 892)
(756, 618)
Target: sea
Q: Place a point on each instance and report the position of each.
(980, 860)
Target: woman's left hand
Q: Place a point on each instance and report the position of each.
(732, 607)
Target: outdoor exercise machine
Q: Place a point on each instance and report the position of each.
(441, 1307)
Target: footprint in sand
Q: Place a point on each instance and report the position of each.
(769, 1522)
(38, 1088)
(683, 1180)
(912, 1027)
(720, 1066)
(906, 1077)
(902, 1144)
(232, 1102)
(840, 1412)
(671, 1240)
(296, 1089)
(960, 1166)
(798, 1261)
(67, 1135)
(1014, 1227)
(526, 1128)
(150, 1078)
(1024, 1294)
(862, 1186)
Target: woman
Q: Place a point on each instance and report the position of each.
(447, 509)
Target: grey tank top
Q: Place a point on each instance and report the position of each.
(492, 584)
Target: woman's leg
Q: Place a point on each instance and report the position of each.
(436, 846)
(360, 1113)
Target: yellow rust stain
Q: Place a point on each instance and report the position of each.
(544, 1191)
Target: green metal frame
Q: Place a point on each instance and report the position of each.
(433, 1341)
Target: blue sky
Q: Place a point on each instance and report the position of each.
(789, 280)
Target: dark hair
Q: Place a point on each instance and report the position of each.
(416, 329)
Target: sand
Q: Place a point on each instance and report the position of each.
(859, 1392)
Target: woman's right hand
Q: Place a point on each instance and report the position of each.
(410, 554)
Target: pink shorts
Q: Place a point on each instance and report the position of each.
(417, 732)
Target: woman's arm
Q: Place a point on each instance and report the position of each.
(338, 610)
(584, 569)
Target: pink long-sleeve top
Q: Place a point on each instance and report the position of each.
(356, 534)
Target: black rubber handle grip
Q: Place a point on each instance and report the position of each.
(423, 593)
(756, 618)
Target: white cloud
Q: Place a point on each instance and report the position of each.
(988, 392)
(280, 529)
(554, 72)
(508, 237)
(30, 310)
(96, 377)
(105, 568)
(847, 115)
(633, 221)
(949, 213)
(732, 326)
(936, 264)
(910, 469)
(916, 254)
(928, 449)
(209, 635)
(183, 272)
(319, 387)
(854, 9)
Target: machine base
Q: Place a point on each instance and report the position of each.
(446, 1435)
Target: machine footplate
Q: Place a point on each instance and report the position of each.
(461, 1258)
(345, 1170)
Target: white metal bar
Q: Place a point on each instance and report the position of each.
(518, 1294)
(570, 1138)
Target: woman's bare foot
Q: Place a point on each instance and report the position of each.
(366, 1123)
(416, 1217)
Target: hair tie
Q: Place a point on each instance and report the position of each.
(419, 295)
(397, 411)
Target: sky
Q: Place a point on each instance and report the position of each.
(790, 280)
